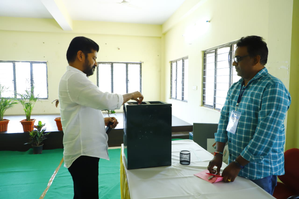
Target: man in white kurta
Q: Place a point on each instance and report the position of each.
(81, 102)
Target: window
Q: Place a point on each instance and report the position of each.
(18, 76)
(116, 77)
(179, 79)
(218, 75)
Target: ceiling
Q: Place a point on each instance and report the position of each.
(64, 11)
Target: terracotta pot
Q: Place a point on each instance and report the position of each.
(58, 123)
(27, 125)
(37, 149)
(3, 125)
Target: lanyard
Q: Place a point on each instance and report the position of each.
(241, 94)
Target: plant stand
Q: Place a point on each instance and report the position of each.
(27, 125)
(58, 123)
(37, 149)
(3, 125)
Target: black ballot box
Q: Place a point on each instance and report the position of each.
(147, 134)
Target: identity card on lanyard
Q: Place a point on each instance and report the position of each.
(235, 115)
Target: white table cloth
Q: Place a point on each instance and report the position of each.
(178, 181)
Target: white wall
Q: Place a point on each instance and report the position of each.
(43, 40)
(229, 21)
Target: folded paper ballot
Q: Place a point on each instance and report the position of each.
(209, 177)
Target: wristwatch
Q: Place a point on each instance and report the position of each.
(238, 164)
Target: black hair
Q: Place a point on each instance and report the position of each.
(84, 44)
(255, 46)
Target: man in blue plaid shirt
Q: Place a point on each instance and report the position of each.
(252, 119)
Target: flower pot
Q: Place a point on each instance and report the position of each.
(58, 123)
(37, 149)
(3, 125)
(27, 125)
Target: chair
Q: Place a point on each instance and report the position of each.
(289, 185)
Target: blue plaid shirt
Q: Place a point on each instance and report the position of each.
(260, 134)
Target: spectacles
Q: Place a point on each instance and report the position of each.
(237, 59)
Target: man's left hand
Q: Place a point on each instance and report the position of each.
(230, 172)
(113, 120)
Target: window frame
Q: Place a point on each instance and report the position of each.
(127, 64)
(231, 68)
(183, 79)
(16, 96)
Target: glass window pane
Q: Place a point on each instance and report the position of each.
(210, 61)
(210, 76)
(209, 87)
(223, 79)
(222, 75)
(233, 50)
(186, 72)
(222, 65)
(173, 80)
(209, 99)
(235, 76)
(223, 50)
(104, 74)
(6, 79)
(40, 80)
(209, 92)
(220, 102)
(119, 78)
(209, 80)
(179, 79)
(23, 77)
(223, 86)
(133, 77)
(222, 54)
(221, 93)
(223, 58)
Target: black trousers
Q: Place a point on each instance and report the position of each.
(85, 172)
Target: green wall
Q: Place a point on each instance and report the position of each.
(293, 118)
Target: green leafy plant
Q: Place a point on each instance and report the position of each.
(109, 112)
(38, 135)
(28, 101)
(5, 103)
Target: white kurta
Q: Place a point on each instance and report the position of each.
(82, 120)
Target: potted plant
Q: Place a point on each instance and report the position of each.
(109, 112)
(28, 101)
(37, 136)
(5, 103)
(57, 119)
